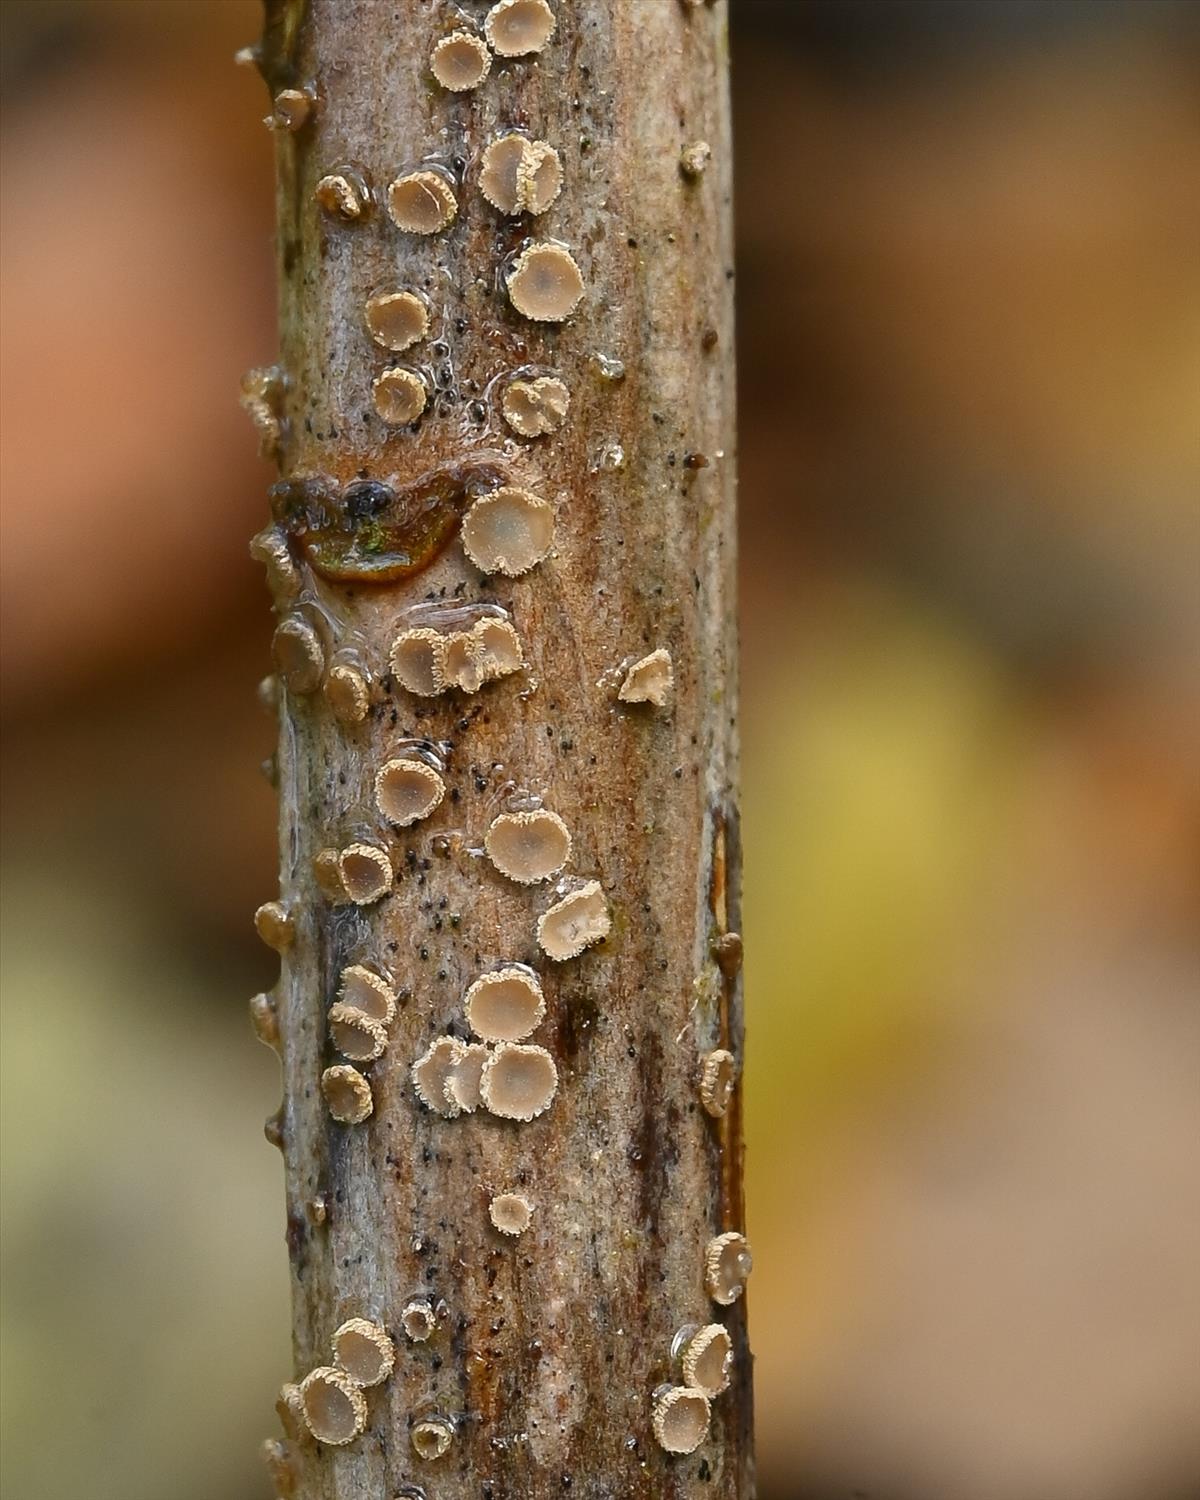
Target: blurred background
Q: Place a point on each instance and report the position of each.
(969, 256)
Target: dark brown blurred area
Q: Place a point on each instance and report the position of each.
(969, 283)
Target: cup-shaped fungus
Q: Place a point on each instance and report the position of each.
(364, 1350)
(273, 923)
(270, 548)
(464, 662)
(508, 531)
(364, 991)
(515, 28)
(348, 694)
(356, 1036)
(518, 1083)
(535, 407)
(519, 175)
(347, 1093)
(290, 1406)
(708, 1359)
(511, 1213)
(281, 1468)
(462, 1082)
(292, 109)
(680, 1418)
(727, 1264)
(407, 790)
(418, 1319)
(545, 285)
(432, 1071)
(460, 61)
(432, 1437)
(334, 1405)
(528, 846)
(298, 655)
(265, 1020)
(649, 680)
(718, 1073)
(366, 873)
(499, 647)
(398, 395)
(574, 923)
(421, 202)
(505, 1005)
(418, 661)
(396, 320)
(693, 159)
(328, 874)
(343, 195)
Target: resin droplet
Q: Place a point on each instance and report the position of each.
(432, 1438)
(418, 660)
(357, 1036)
(364, 1350)
(347, 1093)
(515, 28)
(460, 61)
(528, 846)
(727, 1264)
(407, 791)
(298, 655)
(535, 407)
(518, 1083)
(520, 176)
(708, 1359)
(680, 1418)
(365, 991)
(273, 923)
(366, 873)
(505, 1005)
(432, 1071)
(396, 320)
(574, 923)
(398, 396)
(718, 1073)
(348, 694)
(334, 1406)
(649, 680)
(508, 531)
(545, 284)
(421, 202)
(511, 1213)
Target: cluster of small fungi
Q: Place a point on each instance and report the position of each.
(504, 530)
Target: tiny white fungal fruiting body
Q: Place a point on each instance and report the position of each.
(418, 659)
(396, 320)
(708, 1359)
(511, 1213)
(460, 61)
(649, 680)
(334, 1405)
(515, 28)
(274, 925)
(355, 1035)
(398, 395)
(508, 531)
(347, 1094)
(364, 991)
(574, 923)
(499, 648)
(727, 1264)
(432, 1071)
(518, 1083)
(407, 790)
(718, 1073)
(462, 1082)
(366, 873)
(343, 195)
(348, 694)
(418, 1319)
(680, 1418)
(528, 846)
(432, 1438)
(421, 202)
(364, 1350)
(298, 654)
(535, 407)
(519, 175)
(505, 1005)
(545, 285)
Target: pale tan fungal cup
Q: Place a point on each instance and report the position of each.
(505, 1005)
(508, 531)
(520, 176)
(366, 873)
(518, 1083)
(418, 1320)
(463, 662)
(516, 28)
(727, 1264)
(545, 285)
(334, 1406)
(418, 659)
(460, 61)
(364, 1350)
(298, 655)
(407, 790)
(347, 1093)
(708, 1359)
(694, 158)
(511, 1213)
(342, 196)
(421, 202)
(499, 648)
(432, 1438)
(290, 1406)
(463, 1080)
(432, 1072)
(574, 923)
(364, 991)
(328, 874)
(348, 694)
(293, 109)
(718, 1074)
(274, 925)
(398, 395)
(528, 846)
(680, 1418)
(649, 680)
(533, 408)
(396, 320)
(265, 1020)
(355, 1035)
(271, 550)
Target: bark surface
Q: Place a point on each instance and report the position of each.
(552, 1344)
